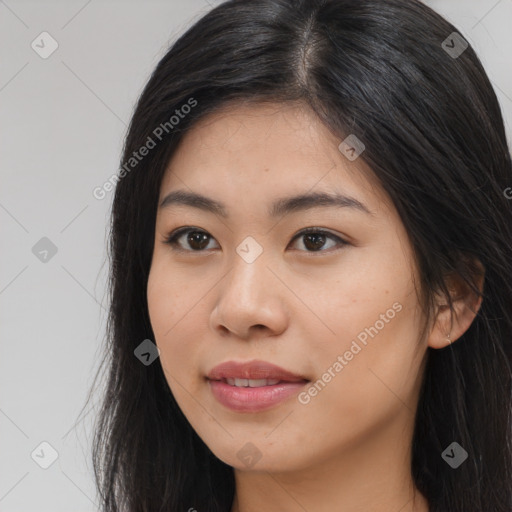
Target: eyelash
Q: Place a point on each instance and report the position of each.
(172, 239)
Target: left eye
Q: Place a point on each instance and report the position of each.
(315, 238)
(198, 239)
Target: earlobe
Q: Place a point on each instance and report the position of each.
(450, 325)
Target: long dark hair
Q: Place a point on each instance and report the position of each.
(386, 71)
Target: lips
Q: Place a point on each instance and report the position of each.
(254, 386)
(253, 370)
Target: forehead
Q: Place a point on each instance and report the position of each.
(266, 150)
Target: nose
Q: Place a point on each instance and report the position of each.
(250, 300)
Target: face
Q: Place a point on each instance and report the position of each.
(335, 307)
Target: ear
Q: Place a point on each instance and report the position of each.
(448, 325)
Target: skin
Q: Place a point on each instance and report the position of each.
(297, 308)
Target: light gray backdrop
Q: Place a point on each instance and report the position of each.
(63, 114)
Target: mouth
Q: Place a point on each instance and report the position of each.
(252, 373)
(251, 383)
(253, 386)
(253, 399)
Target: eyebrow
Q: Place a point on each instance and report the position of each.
(279, 207)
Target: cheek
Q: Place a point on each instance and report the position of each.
(170, 313)
(370, 386)
(172, 296)
(169, 307)
(161, 302)
(373, 316)
(351, 295)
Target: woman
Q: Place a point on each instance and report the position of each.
(311, 256)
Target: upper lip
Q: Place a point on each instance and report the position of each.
(252, 370)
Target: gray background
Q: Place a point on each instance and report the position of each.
(63, 120)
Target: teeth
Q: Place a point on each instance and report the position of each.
(252, 383)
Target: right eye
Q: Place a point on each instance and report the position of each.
(197, 239)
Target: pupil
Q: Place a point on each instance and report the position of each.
(196, 236)
(318, 240)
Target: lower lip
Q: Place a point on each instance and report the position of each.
(247, 399)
